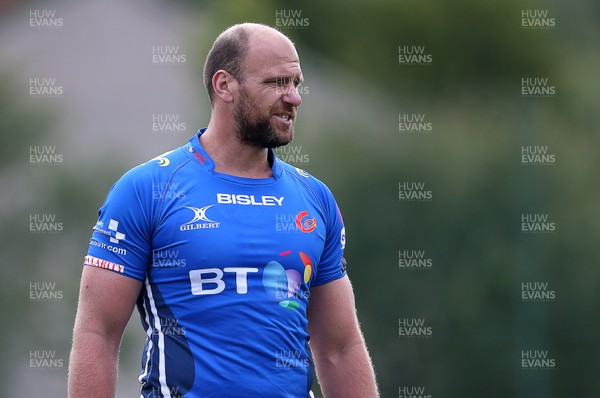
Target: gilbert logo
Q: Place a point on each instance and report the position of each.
(200, 220)
(305, 224)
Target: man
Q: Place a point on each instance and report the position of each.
(192, 239)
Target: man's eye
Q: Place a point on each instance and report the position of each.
(283, 81)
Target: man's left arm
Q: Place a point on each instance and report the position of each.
(344, 368)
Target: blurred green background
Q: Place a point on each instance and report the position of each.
(348, 133)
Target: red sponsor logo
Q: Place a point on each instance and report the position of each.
(199, 157)
(305, 224)
(97, 262)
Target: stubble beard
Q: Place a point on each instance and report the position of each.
(256, 131)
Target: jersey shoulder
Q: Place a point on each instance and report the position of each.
(159, 168)
(310, 181)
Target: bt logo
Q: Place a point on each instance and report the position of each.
(284, 285)
(281, 284)
(213, 277)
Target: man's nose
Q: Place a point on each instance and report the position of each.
(292, 97)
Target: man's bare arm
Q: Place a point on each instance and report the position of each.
(344, 368)
(106, 301)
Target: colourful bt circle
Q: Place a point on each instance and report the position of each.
(281, 284)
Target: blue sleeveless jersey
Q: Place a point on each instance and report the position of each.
(227, 264)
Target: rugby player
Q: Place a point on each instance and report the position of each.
(233, 258)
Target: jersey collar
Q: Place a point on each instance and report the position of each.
(197, 152)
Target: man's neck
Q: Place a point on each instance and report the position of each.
(233, 157)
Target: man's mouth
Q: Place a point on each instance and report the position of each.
(285, 118)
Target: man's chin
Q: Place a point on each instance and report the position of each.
(284, 139)
(266, 135)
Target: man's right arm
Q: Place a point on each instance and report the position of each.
(106, 301)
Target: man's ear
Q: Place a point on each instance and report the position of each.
(225, 85)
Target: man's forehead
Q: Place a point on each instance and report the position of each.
(271, 51)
